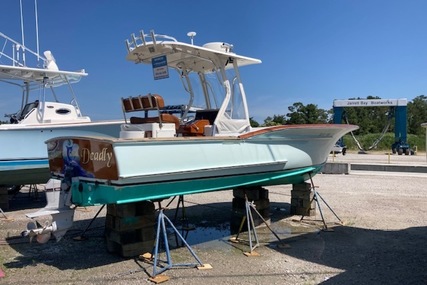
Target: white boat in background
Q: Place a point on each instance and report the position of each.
(48, 109)
(179, 150)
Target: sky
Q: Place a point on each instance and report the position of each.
(312, 51)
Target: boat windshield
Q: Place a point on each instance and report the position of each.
(207, 90)
(213, 91)
(235, 108)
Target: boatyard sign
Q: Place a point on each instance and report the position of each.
(370, 102)
(160, 67)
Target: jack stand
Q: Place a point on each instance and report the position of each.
(251, 229)
(32, 188)
(82, 236)
(186, 227)
(316, 197)
(162, 234)
(4, 215)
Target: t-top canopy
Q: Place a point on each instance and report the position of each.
(182, 55)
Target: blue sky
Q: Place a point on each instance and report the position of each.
(313, 51)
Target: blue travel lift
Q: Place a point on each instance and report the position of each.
(398, 109)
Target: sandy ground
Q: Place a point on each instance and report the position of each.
(381, 240)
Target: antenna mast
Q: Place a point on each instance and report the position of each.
(191, 35)
(37, 29)
(22, 34)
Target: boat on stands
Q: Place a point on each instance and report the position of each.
(168, 150)
(186, 149)
(48, 108)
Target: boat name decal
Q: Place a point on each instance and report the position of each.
(103, 155)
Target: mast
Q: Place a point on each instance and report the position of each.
(22, 34)
(37, 30)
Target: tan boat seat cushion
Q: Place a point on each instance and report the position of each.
(163, 118)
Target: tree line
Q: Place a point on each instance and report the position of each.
(369, 119)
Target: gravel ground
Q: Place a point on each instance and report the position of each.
(381, 240)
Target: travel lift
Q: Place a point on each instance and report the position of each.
(397, 110)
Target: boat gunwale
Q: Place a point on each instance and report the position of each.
(258, 132)
(241, 137)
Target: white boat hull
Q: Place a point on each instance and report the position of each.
(23, 154)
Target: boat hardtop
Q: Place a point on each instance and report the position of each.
(203, 59)
(17, 69)
(37, 75)
(36, 80)
(210, 72)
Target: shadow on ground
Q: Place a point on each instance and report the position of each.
(212, 223)
(367, 256)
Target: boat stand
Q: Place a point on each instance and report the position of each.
(82, 236)
(252, 230)
(316, 197)
(161, 236)
(4, 215)
(186, 227)
(33, 189)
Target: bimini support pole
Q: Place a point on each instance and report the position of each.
(251, 229)
(161, 237)
(316, 197)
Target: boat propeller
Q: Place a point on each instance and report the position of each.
(42, 233)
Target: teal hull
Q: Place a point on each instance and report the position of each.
(90, 194)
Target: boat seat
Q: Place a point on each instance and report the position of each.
(146, 103)
(143, 103)
(194, 128)
(163, 118)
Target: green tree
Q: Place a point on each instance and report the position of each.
(277, 120)
(369, 119)
(253, 123)
(417, 114)
(309, 114)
